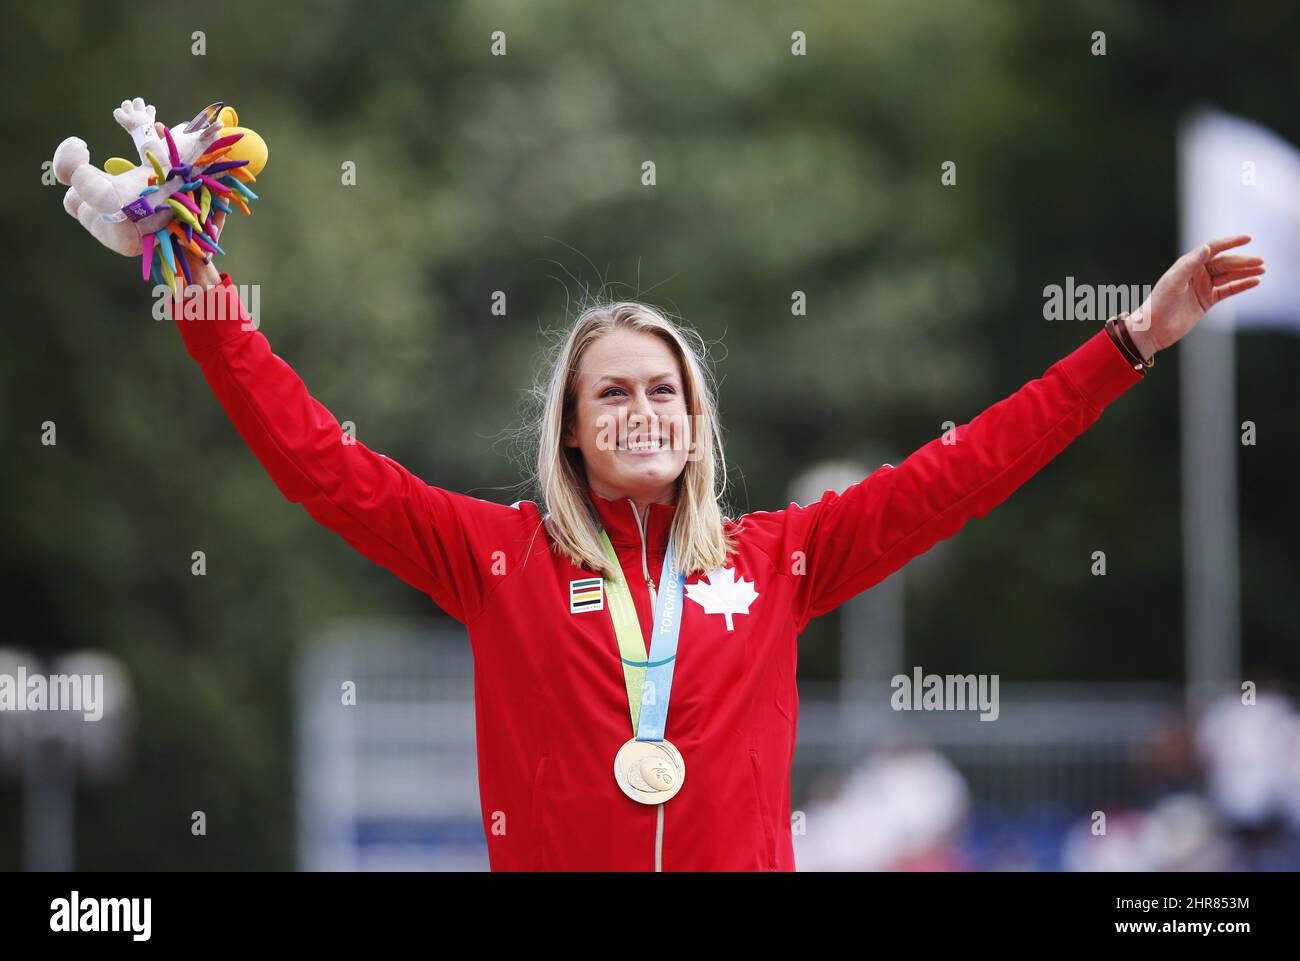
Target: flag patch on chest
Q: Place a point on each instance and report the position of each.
(587, 594)
(723, 594)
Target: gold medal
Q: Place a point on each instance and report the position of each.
(649, 772)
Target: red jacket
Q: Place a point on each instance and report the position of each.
(550, 700)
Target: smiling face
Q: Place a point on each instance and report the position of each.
(629, 417)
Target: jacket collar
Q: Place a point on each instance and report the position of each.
(619, 516)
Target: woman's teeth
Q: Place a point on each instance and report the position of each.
(638, 445)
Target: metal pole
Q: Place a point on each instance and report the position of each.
(871, 653)
(1209, 462)
(49, 787)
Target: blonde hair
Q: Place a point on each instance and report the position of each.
(700, 541)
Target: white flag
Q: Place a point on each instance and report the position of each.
(1237, 177)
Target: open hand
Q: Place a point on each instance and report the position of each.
(1196, 282)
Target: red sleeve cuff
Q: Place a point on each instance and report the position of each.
(1098, 370)
(212, 317)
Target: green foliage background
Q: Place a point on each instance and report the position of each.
(522, 173)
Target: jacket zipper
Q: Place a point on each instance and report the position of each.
(645, 569)
(645, 564)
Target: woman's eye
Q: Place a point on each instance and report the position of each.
(662, 387)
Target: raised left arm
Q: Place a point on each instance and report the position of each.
(844, 543)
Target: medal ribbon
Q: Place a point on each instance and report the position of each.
(649, 682)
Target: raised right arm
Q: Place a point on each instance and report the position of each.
(453, 547)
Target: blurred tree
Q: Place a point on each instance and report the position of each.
(475, 173)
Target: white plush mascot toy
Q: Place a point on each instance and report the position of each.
(185, 173)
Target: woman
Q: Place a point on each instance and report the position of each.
(574, 615)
